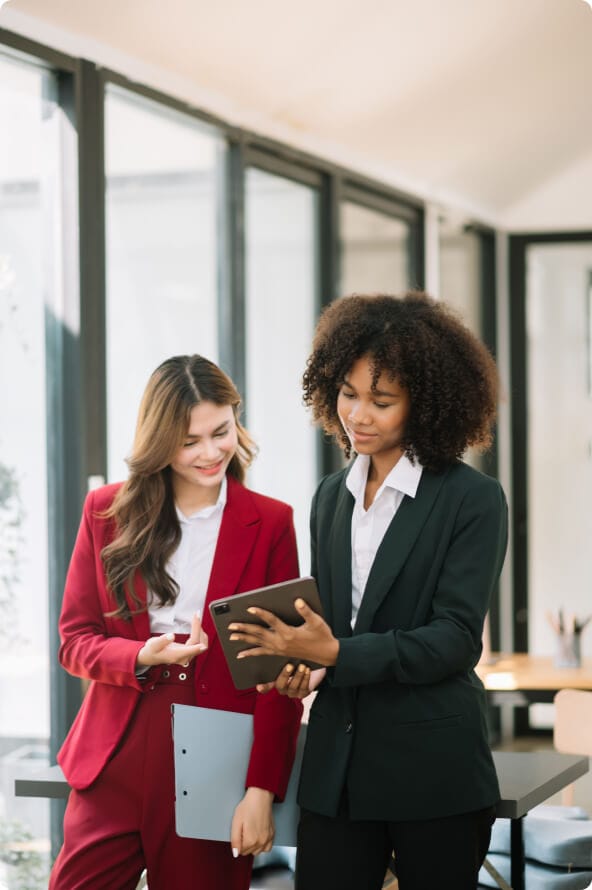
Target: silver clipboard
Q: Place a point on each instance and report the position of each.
(212, 750)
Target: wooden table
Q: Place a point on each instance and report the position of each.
(526, 779)
(521, 679)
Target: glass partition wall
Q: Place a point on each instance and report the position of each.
(466, 282)
(460, 272)
(552, 438)
(133, 228)
(559, 449)
(375, 251)
(162, 179)
(31, 329)
(281, 298)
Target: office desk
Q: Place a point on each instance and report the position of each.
(526, 779)
(521, 679)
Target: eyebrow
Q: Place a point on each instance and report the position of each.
(217, 430)
(376, 392)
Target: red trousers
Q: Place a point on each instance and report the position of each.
(125, 821)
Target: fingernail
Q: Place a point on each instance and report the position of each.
(301, 668)
(198, 614)
(234, 636)
(299, 603)
(289, 668)
(235, 852)
(241, 655)
(170, 636)
(252, 610)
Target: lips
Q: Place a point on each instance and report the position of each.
(211, 470)
(360, 436)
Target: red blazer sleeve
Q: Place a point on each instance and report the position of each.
(276, 718)
(93, 646)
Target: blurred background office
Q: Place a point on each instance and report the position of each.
(203, 177)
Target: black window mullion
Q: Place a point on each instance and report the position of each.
(231, 304)
(90, 116)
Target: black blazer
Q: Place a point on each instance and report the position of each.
(400, 720)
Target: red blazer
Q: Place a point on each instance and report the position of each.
(256, 546)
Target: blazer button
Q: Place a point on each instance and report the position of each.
(349, 727)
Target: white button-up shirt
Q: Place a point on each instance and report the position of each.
(190, 566)
(368, 527)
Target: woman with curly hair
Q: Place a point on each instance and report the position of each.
(407, 545)
(151, 553)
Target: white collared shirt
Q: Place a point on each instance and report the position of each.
(368, 527)
(190, 566)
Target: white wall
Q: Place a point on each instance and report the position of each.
(562, 203)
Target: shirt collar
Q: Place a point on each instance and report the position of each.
(206, 512)
(403, 477)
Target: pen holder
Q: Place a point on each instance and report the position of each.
(568, 652)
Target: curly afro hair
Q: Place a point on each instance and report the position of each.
(450, 375)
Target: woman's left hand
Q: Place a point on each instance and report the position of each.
(252, 828)
(312, 640)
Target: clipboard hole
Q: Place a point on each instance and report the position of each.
(184, 794)
(183, 750)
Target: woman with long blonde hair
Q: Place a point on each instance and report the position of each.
(151, 553)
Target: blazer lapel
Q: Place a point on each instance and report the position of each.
(341, 559)
(396, 545)
(238, 532)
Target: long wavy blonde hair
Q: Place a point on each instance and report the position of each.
(147, 531)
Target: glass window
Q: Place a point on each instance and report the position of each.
(461, 287)
(559, 400)
(162, 251)
(375, 251)
(460, 274)
(280, 317)
(29, 231)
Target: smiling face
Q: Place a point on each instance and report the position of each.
(200, 463)
(374, 417)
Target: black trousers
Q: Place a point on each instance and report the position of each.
(435, 854)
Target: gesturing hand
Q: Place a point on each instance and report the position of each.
(164, 649)
(312, 640)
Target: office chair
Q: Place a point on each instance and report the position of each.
(572, 732)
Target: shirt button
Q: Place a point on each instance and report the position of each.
(183, 676)
(166, 674)
(349, 727)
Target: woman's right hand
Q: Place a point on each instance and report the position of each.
(164, 649)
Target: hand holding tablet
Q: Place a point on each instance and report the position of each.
(263, 630)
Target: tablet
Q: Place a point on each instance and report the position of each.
(277, 598)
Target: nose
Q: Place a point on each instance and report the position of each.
(357, 413)
(209, 450)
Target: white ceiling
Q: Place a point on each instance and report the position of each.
(477, 101)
